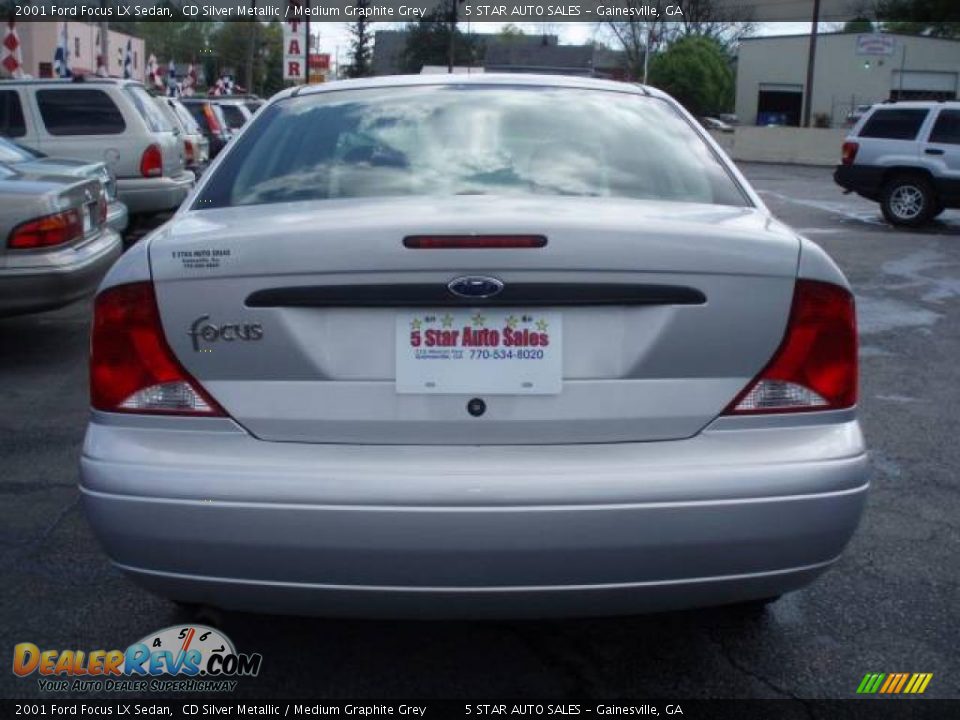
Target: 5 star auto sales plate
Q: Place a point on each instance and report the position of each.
(492, 351)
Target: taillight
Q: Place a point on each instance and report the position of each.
(102, 208)
(849, 152)
(473, 242)
(47, 231)
(815, 367)
(211, 116)
(188, 151)
(132, 369)
(151, 162)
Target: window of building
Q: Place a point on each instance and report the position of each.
(76, 47)
(11, 114)
(894, 124)
(947, 128)
(79, 111)
(45, 70)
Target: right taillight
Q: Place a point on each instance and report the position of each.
(815, 367)
(132, 369)
(849, 152)
(151, 162)
(47, 231)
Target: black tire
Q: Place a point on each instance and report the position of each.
(908, 201)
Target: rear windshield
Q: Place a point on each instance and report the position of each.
(233, 115)
(903, 124)
(186, 119)
(152, 115)
(469, 140)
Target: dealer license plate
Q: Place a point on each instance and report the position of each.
(481, 351)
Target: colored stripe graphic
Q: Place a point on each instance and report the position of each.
(894, 683)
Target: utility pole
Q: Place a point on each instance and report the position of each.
(250, 46)
(306, 57)
(811, 63)
(105, 46)
(452, 46)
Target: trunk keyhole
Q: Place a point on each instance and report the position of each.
(476, 407)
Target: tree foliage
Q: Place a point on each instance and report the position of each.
(936, 18)
(361, 50)
(428, 42)
(713, 19)
(697, 72)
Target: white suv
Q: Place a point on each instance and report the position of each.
(906, 156)
(102, 119)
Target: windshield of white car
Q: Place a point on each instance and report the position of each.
(436, 140)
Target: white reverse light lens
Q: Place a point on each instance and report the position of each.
(777, 395)
(167, 397)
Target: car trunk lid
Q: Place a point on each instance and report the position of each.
(667, 310)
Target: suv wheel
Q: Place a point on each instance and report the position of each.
(908, 200)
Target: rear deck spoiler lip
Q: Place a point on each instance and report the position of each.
(521, 294)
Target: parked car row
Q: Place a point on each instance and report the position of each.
(80, 161)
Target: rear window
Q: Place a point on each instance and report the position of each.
(234, 116)
(186, 119)
(470, 140)
(11, 114)
(947, 128)
(893, 124)
(151, 114)
(80, 111)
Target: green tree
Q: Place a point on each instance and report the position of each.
(936, 18)
(361, 52)
(858, 25)
(428, 42)
(697, 72)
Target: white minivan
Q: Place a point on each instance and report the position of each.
(103, 119)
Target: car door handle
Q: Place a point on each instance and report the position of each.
(933, 151)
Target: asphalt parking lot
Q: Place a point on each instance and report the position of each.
(889, 606)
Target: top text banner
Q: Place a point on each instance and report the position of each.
(413, 10)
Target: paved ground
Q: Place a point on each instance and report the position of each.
(891, 604)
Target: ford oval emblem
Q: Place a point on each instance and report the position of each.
(475, 286)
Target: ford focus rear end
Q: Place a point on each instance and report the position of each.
(452, 347)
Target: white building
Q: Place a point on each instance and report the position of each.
(38, 42)
(850, 70)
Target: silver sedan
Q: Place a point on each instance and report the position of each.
(474, 346)
(55, 241)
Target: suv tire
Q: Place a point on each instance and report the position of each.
(908, 200)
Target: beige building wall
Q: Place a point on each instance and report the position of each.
(842, 77)
(39, 43)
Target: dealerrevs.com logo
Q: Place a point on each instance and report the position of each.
(191, 658)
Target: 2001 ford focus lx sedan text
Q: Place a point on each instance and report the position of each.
(485, 346)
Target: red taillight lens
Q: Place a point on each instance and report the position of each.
(102, 208)
(815, 367)
(211, 116)
(849, 152)
(473, 242)
(151, 162)
(47, 231)
(132, 369)
(188, 151)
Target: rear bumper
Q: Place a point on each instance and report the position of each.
(33, 282)
(152, 195)
(215, 516)
(864, 180)
(117, 216)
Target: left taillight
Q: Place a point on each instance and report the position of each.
(132, 369)
(188, 153)
(151, 162)
(47, 231)
(816, 365)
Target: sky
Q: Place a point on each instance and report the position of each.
(335, 37)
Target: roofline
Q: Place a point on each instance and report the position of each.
(560, 81)
(87, 80)
(837, 34)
